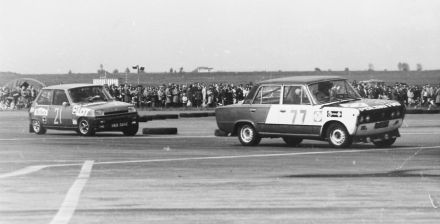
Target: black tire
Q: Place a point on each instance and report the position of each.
(338, 136)
(159, 131)
(38, 128)
(248, 136)
(85, 127)
(220, 133)
(146, 118)
(385, 143)
(292, 141)
(132, 130)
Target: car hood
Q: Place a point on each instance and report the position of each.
(111, 106)
(366, 104)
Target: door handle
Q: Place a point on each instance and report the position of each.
(282, 110)
(252, 110)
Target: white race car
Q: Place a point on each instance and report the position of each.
(311, 107)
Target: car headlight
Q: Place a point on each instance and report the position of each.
(398, 113)
(361, 119)
(367, 118)
(393, 114)
(99, 113)
(131, 109)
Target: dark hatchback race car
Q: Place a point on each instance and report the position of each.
(311, 107)
(85, 108)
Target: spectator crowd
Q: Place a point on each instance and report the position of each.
(426, 96)
(203, 95)
(17, 97)
(196, 95)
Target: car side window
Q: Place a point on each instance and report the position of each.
(59, 96)
(45, 97)
(268, 95)
(295, 95)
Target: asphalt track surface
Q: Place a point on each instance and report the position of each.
(195, 177)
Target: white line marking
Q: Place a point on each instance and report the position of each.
(31, 170)
(434, 203)
(26, 170)
(71, 200)
(155, 137)
(409, 158)
(262, 155)
(109, 138)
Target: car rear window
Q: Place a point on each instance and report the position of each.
(45, 97)
(268, 95)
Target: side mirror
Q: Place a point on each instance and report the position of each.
(66, 104)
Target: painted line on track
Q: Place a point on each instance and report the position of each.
(158, 137)
(71, 200)
(28, 170)
(112, 138)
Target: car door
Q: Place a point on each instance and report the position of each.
(61, 109)
(266, 97)
(295, 114)
(42, 107)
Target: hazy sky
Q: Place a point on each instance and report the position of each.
(55, 36)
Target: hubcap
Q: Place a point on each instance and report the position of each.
(36, 126)
(337, 137)
(247, 134)
(83, 127)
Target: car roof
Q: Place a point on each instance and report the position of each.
(70, 86)
(301, 79)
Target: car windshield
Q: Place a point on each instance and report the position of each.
(89, 94)
(332, 91)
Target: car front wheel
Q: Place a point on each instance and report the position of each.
(292, 141)
(38, 128)
(248, 136)
(131, 131)
(85, 128)
(338, 136)
(385, 143)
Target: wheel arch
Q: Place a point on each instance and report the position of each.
(326, 125)
(238, 124)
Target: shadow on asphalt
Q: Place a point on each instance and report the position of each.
(394, 173)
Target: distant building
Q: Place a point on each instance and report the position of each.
(202, 69)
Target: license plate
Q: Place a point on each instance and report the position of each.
(116, 125)
(382, 124)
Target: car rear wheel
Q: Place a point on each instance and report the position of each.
(338, 136)
(85, 128)
(38, 128)
(248, 136)
(131, 131)
(292, 141)
(385, 143)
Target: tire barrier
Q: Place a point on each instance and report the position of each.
(159, 131)
(146, 118)
(165, 116)
(220, 133)
(198, 114)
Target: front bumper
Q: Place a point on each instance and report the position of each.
(378, 137)
(376, 128)
(115, 122)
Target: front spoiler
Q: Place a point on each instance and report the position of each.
(377, 137)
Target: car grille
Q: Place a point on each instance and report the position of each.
(116, 112)
(383, 114)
